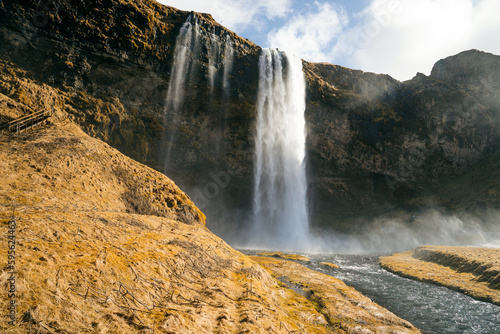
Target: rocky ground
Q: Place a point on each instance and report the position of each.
(471, 270)
(105, 244)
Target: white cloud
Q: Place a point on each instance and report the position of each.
(397, 37)
(236, 15)
(422, 32)
(310, 35)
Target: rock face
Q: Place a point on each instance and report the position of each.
(374, 143)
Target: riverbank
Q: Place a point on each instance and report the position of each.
(345, 309)
(471, 270)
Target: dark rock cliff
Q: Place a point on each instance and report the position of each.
(374, 143)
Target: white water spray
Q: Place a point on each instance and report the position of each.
(187, 54)
(280, 206)
(183, 52)
(228, 66)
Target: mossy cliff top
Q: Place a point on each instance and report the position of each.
(142, 30)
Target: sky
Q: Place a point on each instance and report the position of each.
(395, 37)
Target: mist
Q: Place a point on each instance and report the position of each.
(432, 227)
(386, 235)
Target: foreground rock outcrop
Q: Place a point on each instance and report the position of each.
(104, 244)
(471, 270)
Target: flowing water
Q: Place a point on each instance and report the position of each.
(228, 65)
(190, 44)
(280, 216)
(432, 309)
(185, 43)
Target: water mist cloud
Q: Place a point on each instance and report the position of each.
(405, 232)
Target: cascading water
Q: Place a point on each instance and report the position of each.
(213, 60)
(190, 45)
(217, 59)
(280, 218)
(228, 66)
(177, 85)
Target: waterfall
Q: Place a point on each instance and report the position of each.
(228, 66)
(185, 43)
(280, 218)
(193, 39)
(213, 60)
(216, 58)
(176, 88)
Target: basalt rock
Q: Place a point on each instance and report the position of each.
(374, 144)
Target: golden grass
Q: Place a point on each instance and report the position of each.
(329, 264)
(470, 270)
(287, 256)
(107, 245)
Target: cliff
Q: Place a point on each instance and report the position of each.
(374, 144)
(385, 142)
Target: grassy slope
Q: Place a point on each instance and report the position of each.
(107, 245)
(91, 257)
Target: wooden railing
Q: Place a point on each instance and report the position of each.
(26, 122)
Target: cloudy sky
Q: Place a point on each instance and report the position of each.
(396, 37)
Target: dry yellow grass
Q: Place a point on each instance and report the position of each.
(107, 245)
(471, 270)
(329, 264)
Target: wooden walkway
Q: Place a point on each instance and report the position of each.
(26, 122)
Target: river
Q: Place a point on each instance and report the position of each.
(432, 309)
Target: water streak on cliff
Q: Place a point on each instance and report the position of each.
(185, 43)
(214, 55)
(194, 39)
(280, 207)
(221, 55)
(228, 65)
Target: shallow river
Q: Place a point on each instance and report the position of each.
(433, 309)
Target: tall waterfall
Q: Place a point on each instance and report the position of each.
(228, 66)
(193, 40)
(280, 218)
(177, 85)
